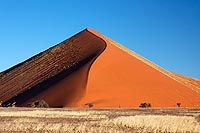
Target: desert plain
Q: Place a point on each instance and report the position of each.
(91, 69)
(104, 120)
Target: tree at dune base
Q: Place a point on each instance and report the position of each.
(145, 105)
(178, 104)
(38, 104)
(90, 105)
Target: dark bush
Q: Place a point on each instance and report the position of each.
(90, 105)
(145, 105)
(38, 104)
(178, 104)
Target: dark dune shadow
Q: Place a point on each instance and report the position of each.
(68, 86)
(39, 88)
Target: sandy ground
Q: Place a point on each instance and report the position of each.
(117, 120)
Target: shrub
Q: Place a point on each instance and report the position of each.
(38, 104)
(90, 105)
(145, 105)
(178, 104)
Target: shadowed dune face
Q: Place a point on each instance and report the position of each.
(58, 75)
(91, 68)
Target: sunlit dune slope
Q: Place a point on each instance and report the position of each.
(122, 78)
(91, 68)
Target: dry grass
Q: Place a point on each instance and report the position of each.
(99, 120)
(156, 123)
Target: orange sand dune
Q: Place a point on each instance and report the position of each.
(91, 68)
(119, 79)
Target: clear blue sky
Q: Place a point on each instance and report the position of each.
(167, 32)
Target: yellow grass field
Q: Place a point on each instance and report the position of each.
(100, 120)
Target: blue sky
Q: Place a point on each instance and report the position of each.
(167, 32)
